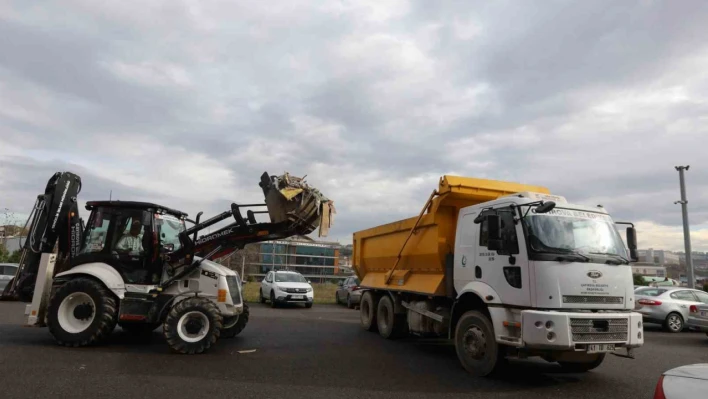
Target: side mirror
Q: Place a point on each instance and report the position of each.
(545, 207)
(494, 241)
(632, 243)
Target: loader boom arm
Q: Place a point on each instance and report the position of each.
(53, 221)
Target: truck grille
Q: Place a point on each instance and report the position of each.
(616, 300)
(296, 290)
(234, 289)
(599, 330)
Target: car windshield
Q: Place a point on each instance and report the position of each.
(289, 278)
(574, 231)
(649, 291)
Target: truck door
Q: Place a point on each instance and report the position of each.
(506, 272)
(466, 249)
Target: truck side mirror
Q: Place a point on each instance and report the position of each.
(632, 243)
(494, 241)
(545, 207)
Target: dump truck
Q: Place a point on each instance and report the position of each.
(502, 270)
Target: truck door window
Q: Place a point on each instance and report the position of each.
(508, 232)
(483, 233)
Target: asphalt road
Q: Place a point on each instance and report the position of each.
(310, 353)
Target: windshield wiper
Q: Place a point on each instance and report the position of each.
(624, 260)
(568, 254)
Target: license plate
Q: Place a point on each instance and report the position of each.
(298, 296)
(601, 348)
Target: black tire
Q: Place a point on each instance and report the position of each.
(200, 308)
(389, 324)
(273, 302)
(577, 367)
(350, 305)
(476, 346)
(308, 305)
(367, 311)
(260, 296)
(336, 298)
(232, 329)
(674, 323)
(104, 312)
(139, 328)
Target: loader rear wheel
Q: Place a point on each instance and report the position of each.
(390, 325)
(82, 312)
(193, 326)
(234, 325)
(367, 311)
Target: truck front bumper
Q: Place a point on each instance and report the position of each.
(576, 331)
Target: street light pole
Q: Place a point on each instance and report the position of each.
(686, 230)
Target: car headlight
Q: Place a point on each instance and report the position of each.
(309, 289)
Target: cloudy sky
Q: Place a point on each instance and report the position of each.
(187, 102)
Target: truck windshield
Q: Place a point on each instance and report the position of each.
(574, 231)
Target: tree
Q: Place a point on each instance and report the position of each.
(4, 253)
(638, 279)
(15, 257)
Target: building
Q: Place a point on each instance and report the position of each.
(648, 269)
(658, 257)
(318, 261)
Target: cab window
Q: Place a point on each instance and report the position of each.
(168, 229)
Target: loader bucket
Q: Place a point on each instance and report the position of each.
(290, 199)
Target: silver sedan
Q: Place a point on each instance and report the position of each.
(668, 306)
(7, 273)
(698, 318)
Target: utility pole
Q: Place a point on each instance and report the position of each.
(686, 230)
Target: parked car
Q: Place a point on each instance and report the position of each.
(685, 382)
(7, 273)
(284, 286)
(348, 292)
(698, 318)
(668, 306)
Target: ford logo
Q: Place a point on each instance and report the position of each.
(594, 274)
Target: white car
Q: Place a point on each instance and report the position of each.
(283, 286)
(685, 382)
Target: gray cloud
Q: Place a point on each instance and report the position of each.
(189, 105)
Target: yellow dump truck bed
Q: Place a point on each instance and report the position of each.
(422, 265)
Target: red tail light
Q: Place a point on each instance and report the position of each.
(659, 391)
(693, 309)
(649, 302)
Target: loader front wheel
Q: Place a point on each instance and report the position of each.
(234, 325)
(82, 312)
(193, 326)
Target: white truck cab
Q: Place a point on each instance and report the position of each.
(555, 277)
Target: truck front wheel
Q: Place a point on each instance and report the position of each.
(82, 312)
(368, 309)
(592, 362)
(475, 344)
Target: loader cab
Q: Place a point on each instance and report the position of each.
(131, 237)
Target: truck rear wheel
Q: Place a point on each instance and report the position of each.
(234, 325)
(389, 324)
(581, 367)
(193, 326)
(82, 312)
(476, 345)
(367, 310)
